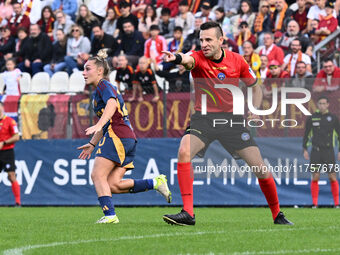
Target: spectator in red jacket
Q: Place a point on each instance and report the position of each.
(328, 24)
(272, 51)
(19, 19)
(275, 79)
(155, 45)
(328, 79)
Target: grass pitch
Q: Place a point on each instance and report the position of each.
(238, 231)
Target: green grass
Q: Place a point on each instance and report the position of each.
(142, 231)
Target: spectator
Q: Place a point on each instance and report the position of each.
(46, 21)
(194, 5)
(281, 15)
(102, 40)
(229, 44)
(262, 22)
(39, 51)
(149, 19)
(224, 22)
(315, 11)
(126, 15)
(278, 37)
(251, 57)
(68, 7)
(328, 79)
(77, 44)
(302, 78)
(11, 78)
(32, 9)
(62, 22)
(166, 25)
(155, 45)
(192, 41)
(125, 74)
(6, 9)
(230, 6)
(86, 20)
(272, 51)
(144, 81)
(131, 44)
(275, 79)
(244, 35)
(171, 4)
(138, 7)
(293, 32)
(7, 45)
(206, 14)
(300, 16)
(264, 71)
(19, 19)
(110, 24)
(98, 9)
(245, 15)
(59, 52)
(295, 57)
(179, 80)
(20, 45)
(185, 19)
(328, 23)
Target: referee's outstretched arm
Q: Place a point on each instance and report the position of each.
(179, 59)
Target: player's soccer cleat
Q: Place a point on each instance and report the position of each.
(281, 219)
(314, 207)
(183, 219)
(162, 187)
(337, 206)
(108, 219)
(17, 205)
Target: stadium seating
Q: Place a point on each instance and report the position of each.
(76, 82)
(59, 82)
(40, 83)
(25, 83)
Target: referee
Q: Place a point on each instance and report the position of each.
(8, 136)
(322, 128)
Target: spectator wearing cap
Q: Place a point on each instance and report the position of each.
(328, 23)
(7, 45)
(251, 57)
(166, 25)
(68, 7)
(264, 70)
(185, 19)
(130, 44)
(302, 78)
(155, 45)
(272, 51)
(244, 35)
(126, 15)
(328, 79)
(171, 4)
(86, 20)
(300, 15)
(63, 22)
(39, 51)
(224, 22)
(206, 14)
(278, 37)
(296, 56)
(192, 41)
(275, 79)
(149, 18)
(19, 19)
(316, 11)
(230, 6)
(245, 14)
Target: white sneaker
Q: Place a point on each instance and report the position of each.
(162, 187)
(108, 219)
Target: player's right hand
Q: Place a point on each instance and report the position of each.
(305, 154)
(168, 56)
(87, 151)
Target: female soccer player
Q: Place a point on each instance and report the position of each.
(117, 146)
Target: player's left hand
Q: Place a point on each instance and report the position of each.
(87, 151)
(94, 129)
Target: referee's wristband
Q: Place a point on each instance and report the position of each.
(178, 59)
(4, 142)
(92, 144)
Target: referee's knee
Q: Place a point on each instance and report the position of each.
(183, 154)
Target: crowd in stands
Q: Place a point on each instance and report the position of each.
(276, 38)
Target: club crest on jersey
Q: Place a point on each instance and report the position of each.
(221, 76)
(245, 136)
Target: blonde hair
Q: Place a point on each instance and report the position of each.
(81, 30)
(100, 61)
(89, 16)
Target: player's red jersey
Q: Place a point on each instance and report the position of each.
(8, 127)
(228, 70)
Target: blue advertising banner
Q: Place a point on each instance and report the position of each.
(50, 173)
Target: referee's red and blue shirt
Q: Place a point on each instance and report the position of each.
(8, 128)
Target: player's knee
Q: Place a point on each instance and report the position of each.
(183, 154)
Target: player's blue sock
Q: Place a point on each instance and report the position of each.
(142, 185)
(107, 205)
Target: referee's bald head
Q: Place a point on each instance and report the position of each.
(212, 24)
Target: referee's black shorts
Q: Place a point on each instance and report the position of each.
(322, 159)
(233, 135)
(7, 160)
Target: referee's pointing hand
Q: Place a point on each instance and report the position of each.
(168, 56)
